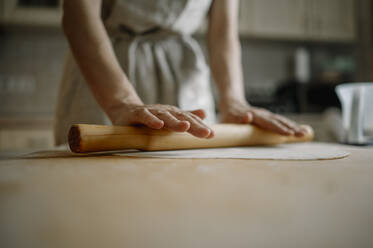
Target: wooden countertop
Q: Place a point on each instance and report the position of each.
(113, 201)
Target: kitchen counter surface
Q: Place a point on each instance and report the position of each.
(56, 199)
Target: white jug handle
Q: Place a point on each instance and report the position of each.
(355, 132)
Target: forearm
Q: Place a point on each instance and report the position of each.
(225, 51)
(226, 68)
(96, 58)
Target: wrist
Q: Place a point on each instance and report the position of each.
(117, 105)
(227, 101)
(123, 96)
(124, 102)
(117, 113)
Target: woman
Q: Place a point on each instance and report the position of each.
(135, 62)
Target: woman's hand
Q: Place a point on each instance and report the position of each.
(159, 116)
(242, 112)
(225, 60)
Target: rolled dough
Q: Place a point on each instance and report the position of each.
(295, 151)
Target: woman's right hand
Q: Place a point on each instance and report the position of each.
(158, 116)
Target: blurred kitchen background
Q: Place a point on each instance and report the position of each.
(294, 53)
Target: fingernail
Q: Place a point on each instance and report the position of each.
(185, 124)
(208, 133)
(212, 134)
(160, 124)
(205, 132)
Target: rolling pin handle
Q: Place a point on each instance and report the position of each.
(74, 139)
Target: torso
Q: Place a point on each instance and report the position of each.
(166, 66)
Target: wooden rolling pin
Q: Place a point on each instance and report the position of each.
(96, 138)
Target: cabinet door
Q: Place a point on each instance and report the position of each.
(333, 20)
(273, 18)
(246, 16)
(31, 12)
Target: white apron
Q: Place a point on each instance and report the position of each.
(152, 42)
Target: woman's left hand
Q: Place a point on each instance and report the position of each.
(242, 112)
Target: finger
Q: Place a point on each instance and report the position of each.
(200, 121)
(305, 131)
(248, 117)
(272, 125)
(200, 113)
(291, 125)
(212, 134)
(243, 118)
(171, 122)
(145, 117)
(197, 127)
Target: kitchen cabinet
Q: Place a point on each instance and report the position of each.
(37, 13)
(298, 19)
(273, 18)
(332, 19)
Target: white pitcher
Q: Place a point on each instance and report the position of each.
(357, 112)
